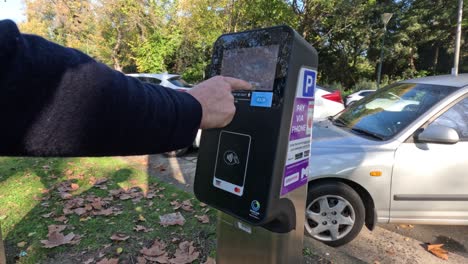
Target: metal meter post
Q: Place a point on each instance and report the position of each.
(255, 169)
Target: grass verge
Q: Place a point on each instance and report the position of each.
(36, 193)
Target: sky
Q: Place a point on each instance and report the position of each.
(12, 9)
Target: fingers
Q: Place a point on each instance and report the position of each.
(237, 84)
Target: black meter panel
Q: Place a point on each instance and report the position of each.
(241, 167)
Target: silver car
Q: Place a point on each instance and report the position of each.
(173, 81)
(397, 156)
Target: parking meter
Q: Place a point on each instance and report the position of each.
(247, 168)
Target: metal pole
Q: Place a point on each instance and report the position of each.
(457, 39)
(385, 19)
(379, 71)
(241, 243)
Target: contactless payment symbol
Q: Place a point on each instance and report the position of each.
(231, 158)
(255, 205)
(308, 85)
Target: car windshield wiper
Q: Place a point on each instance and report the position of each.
(367, 133)
(338, 122)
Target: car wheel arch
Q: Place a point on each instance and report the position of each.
(371, 213)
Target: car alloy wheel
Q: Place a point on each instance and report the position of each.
(329, 218)
(335, 212)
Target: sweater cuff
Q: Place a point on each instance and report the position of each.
(190, 116)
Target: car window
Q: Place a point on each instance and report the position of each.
(365, 93)
(457, 118)
(149, 80)
(154, 81)
(179, 82)
(143, 79)
(391, 109)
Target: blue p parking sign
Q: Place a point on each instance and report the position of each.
(308, 85)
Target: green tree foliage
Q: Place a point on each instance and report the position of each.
(178, 35)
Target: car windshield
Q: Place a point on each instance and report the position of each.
(179, 82)
(388, 111)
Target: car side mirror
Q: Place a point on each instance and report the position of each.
(438, 134)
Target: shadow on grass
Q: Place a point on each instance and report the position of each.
(29, 193)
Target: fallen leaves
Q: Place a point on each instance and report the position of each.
(90, 205)
(438, 251)
(85, 206)
(48, 215)
(156, 252)
(80, 211)
(74, 186)
(185, 205)
(119, 237)
(56, 238)
(64, 187)
(108, 261)
(139, 228)
(157, 249)
(186, 253)
(204, 219)
(99, 183)
(172, 219)
(405, 226)
(134, 193)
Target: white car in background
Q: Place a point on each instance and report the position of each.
(173, 81)
(327, 103)
(354, 97)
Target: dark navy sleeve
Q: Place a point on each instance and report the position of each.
(57, 101)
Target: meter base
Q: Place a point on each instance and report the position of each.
(241, 243)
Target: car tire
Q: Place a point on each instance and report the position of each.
(177, 153)
(335, 213)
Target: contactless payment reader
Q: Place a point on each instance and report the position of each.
(248, 168)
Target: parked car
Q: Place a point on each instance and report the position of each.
(327, 103)
(173, 81)
(396, 156)
(354, 97)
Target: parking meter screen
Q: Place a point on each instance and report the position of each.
(256, 65)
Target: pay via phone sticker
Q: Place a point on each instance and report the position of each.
(256, 65)
(297, 160)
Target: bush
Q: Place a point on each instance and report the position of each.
(365, 84)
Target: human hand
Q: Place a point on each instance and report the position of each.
(217, 100)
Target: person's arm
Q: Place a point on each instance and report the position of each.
(57, 101)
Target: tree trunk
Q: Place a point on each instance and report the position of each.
(411, 61)
(116, 50)
(436, 60)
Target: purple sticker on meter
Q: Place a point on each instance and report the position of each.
(297, 161)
